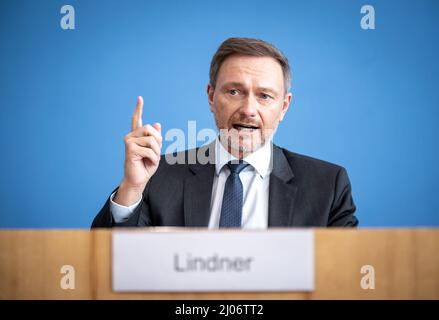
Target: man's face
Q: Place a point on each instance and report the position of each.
(248, 102)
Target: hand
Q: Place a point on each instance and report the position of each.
(142, 157)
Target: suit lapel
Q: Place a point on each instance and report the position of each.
(282, 191)
(198, 190)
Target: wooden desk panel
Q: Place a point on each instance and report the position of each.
(30, 263)
(406, 266)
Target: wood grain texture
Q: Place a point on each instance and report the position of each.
(31, 261)
(405, 261)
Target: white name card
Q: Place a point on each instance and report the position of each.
(176, 261)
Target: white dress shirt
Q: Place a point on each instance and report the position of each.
(121, 213)
(255, 180)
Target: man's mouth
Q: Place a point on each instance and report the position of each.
(245, 127)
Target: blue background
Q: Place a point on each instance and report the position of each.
(367, 100)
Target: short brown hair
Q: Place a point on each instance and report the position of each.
(248, 47)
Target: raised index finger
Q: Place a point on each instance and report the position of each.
(136, 120)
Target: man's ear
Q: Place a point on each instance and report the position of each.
(210, 93)
(285, 105)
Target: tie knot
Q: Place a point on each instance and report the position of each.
(236, 168)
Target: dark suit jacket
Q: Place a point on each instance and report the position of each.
(303, 192)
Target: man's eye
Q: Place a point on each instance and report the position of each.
(233, 92)
(265, 96)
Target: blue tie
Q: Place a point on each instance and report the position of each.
(231, 210)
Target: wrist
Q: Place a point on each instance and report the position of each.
(137, 188)
(128, 194)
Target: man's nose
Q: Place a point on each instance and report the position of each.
(249, 106)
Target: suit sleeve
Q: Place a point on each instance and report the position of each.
(139, 218)
(343, 206)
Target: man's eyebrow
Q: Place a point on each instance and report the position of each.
(268, 89)
(240, 84)
(233, 84)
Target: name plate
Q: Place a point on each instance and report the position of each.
(213, 260)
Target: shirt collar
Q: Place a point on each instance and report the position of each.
(260, 160)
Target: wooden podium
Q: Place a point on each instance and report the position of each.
(405, 261)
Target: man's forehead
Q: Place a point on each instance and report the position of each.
(251, 64)
(241, 69)
(259, 67)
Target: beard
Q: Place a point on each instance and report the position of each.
(243, 135)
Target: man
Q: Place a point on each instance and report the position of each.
(249, 182)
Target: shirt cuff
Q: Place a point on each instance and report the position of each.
(121, 213)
